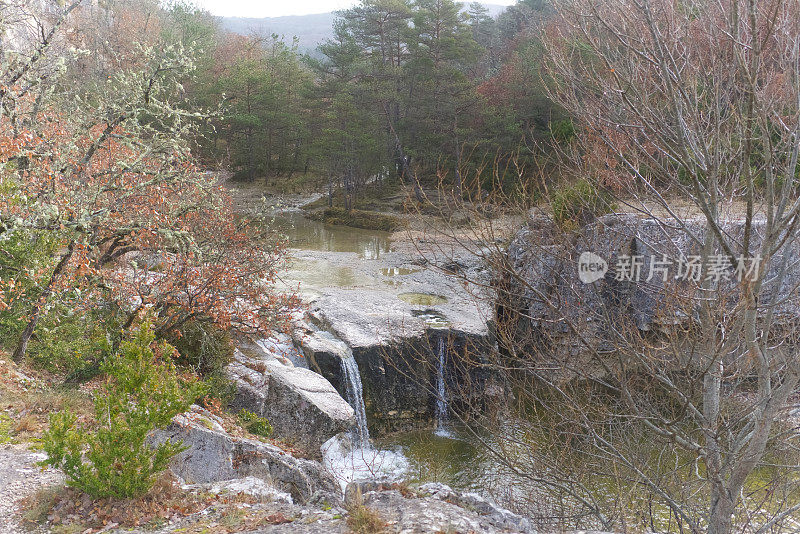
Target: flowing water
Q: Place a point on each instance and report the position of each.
(354, 458)
(441, 390)
(355, 396)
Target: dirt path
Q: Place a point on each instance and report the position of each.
(19, 478)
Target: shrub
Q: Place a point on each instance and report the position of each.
(142, 392)
(563, 130)
(203, 346)
(575, 205)
(363, 520)
(220, 387)
(72, 342)
(255, 424)
(6, 425)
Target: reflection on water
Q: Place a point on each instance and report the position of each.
(458, 459)
(318, 273)
(306, 234)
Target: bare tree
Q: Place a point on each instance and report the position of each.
(674, 372)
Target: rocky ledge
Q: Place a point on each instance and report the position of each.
(299, 495)
(212, 455)
(554, 315)
(303, 408)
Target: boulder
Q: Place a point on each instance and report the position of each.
(495, 515)
(301, 405)
(252, 486)
(212, 455)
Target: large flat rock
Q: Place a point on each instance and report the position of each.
(301, 405)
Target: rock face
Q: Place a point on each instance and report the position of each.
(302, 406)
(556, 316)
(399, 375)
(212, 455)
(250, 485)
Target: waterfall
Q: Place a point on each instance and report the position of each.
(355, 396)
(355, 459)
(441, 392)
(352, 381)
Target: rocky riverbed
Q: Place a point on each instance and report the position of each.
(391, 299)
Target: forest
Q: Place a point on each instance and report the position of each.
(408, 89)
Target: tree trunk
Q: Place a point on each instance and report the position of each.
(27, 332)
(722, 507)
(457, 185)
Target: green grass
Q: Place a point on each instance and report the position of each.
(5, 429)
(255, 424)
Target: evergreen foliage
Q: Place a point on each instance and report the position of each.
(143, 392)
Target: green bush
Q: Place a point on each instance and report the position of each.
(143, 392)
(563, 130)
(220, 387)
(255, 424)
(576, 205)
(203, 347)
(74, 343)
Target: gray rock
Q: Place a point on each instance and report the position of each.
(429, 514)
(545, 265)
(301, 405)
(497, 516)
(253, 486)
(212, 455)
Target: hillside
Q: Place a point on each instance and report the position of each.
(310, 30)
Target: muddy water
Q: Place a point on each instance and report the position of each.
(306, 234)
(422, 299)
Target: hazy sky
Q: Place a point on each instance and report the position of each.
(279, 8)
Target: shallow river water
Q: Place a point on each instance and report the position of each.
(306, 234)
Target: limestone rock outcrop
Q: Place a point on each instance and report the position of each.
(301, 405)
(213, 455)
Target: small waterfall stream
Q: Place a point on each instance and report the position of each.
(359, 434)
(355, 396)
(441, 390)
(441, 393)
(356, 458)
